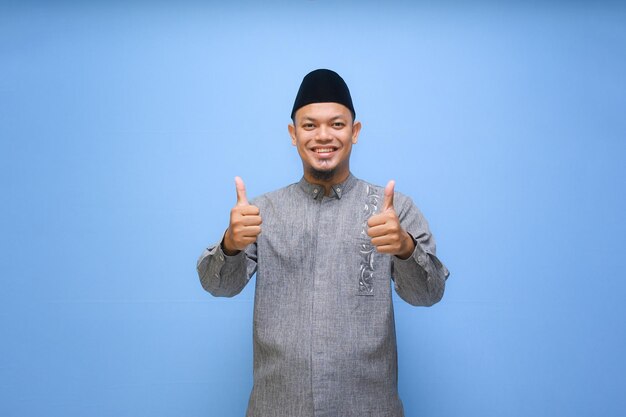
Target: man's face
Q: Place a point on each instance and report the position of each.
(324, 134)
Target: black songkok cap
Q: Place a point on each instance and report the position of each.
(323, 86)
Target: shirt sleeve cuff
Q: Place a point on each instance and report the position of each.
(221, 257)
(419, 255)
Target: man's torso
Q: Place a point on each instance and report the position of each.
(324, 333)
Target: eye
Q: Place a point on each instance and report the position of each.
(308, 126)
(339, 125)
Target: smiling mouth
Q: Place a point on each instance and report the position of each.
(326, 150)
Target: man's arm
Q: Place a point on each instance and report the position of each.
(223, 275)
(224, 269)
(403, 232)
(419, 279)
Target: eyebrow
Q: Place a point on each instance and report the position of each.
(309, 118)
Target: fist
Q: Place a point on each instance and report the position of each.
(385, 230)
(245, 222)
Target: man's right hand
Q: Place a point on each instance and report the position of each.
(245, 223)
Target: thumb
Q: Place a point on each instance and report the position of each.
(388, 204)
(242, 200)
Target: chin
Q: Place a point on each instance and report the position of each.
(325, 165)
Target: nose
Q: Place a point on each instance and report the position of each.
(323, 133)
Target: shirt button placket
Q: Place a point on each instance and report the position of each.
(315, 313)
(319, 371)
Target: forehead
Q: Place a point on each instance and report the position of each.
(323, 111)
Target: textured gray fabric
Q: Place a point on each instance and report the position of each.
(324, 332)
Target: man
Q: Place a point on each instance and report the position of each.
(325, 250)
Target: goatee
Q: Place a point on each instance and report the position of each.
(326, 175)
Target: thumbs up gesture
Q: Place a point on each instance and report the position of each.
(245, 223)
(385, 230)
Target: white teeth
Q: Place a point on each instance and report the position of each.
(324, 150)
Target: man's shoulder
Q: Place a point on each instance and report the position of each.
(366, 185)
(369, 188)
(275, 196)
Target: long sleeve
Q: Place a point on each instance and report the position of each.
(223, 275)
(420, 279)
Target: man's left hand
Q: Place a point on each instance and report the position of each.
(385, 230)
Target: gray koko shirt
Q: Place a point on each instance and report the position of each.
(324, 332)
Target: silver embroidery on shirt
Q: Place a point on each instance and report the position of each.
(366, 249)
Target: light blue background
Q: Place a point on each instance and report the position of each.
(122, 128)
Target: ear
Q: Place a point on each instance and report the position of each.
(356, 129)
(292, 132)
